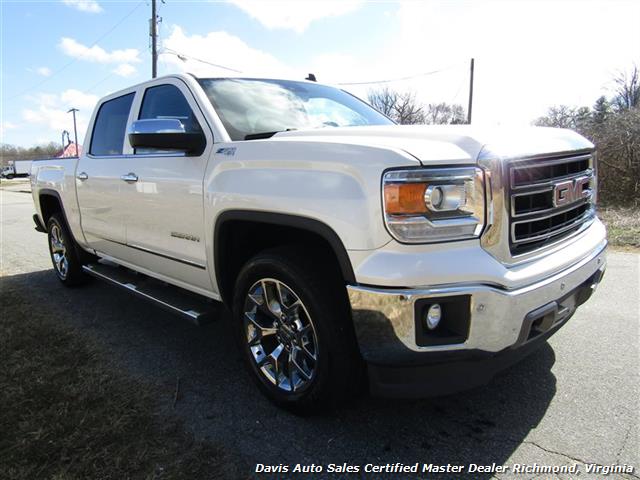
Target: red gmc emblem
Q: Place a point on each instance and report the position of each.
(571, 191)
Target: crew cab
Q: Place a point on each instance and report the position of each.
(418, 260)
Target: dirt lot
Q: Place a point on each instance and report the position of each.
(576, 400)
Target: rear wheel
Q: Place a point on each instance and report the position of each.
(64, 253)
(293, 322)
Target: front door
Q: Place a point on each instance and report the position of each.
(163, 197)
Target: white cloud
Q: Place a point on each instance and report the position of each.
(4, 126)
(98, 54)
(90, 6)
(125, 70)
(51, 118)
(295, 15)
(220, 48)
(49, 112)
(44, 71)
(520, 70)
(77, 99)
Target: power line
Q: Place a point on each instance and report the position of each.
(462, 81)
(119, 22)
(183, 56)
(372, 82)
(99, 82)
(73, 60)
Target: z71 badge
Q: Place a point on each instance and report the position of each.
(230, 151)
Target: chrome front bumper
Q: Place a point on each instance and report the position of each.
(385, 323)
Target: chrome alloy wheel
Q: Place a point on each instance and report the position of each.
(280, 335)
(59, 251)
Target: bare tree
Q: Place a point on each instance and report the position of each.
(405, 109)
(408, 111)
(559, 116)
(613, 125)
(445, 113)
(401, 107)
(627, 90)
(437, 114)
(618, 143)
(383, 100)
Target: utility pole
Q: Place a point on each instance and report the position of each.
(75, 129)
(470, 92)
(154, 38)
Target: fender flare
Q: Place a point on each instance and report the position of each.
(287, 220)
(52, 193)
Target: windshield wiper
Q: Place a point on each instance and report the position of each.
(256, 136)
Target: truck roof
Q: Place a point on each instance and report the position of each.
(189, 77)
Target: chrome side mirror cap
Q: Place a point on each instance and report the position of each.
(165, 134)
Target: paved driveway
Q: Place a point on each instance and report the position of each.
(574, 400)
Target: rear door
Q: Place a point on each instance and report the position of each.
(98, 174)
(163, 200)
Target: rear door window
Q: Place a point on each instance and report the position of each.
(110, 126)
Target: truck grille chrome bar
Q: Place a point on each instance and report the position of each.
(549, 199)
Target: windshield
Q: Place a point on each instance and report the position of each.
(256, 108)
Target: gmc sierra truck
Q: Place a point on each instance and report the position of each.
(350, 250)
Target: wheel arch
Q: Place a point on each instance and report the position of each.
(50, 203)
(232, 248)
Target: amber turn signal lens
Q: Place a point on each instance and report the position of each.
(404, 198)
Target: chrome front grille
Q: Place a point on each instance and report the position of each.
(550, 198)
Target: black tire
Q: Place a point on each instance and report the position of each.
(337, 373)
(64, 253)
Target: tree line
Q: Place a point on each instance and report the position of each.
(613, 125)
(404, 108)
(11, 152)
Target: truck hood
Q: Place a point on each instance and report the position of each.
(450, 144)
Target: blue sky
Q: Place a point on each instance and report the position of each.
(529, 54)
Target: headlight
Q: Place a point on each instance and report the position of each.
(434, 205)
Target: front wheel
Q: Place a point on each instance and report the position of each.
(293, 321)
(64, 254)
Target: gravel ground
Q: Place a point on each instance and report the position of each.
(576, 400)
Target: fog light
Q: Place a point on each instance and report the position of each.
(434, 314)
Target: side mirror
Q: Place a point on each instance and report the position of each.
(165, 134)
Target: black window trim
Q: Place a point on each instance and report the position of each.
(143, 92)
(169, 80)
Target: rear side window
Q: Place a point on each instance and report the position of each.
(110, 126)
(167, 101)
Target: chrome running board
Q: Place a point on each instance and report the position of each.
(198, 310)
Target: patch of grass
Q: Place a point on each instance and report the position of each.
(623, 225)
(65, 414)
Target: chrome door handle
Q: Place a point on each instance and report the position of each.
(129, 177)
(82, 176)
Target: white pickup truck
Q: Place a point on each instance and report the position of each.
(419, 259)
